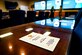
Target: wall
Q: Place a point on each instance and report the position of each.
(20, 2)
(2, 5)
(31, 2)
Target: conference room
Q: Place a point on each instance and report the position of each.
(40, 27)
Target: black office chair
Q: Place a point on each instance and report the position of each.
(75, 46)
(17, 17)
(67, 14)
(41, 15)
(78, 17)
(3, 22)
(46, 15)
(1, 14)
(52, 15)
(31, 16)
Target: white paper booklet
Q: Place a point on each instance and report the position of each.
(46, 42)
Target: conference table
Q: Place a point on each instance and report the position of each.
(11, 45)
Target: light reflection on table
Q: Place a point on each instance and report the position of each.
(64, 23)
(11, 45)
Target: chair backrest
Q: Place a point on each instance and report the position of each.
(78, 17)
(46, 15)
(17, 16)
(41, 15)
(17, 13)
(67, 14)
(75, 46)
(31, 16)
(0, 14)
(52, 15)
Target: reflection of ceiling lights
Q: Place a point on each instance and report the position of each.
(47, 33)
(22, 53)
(10, 47)
(29, 29)
(6, 34)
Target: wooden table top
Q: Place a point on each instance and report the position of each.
(11, 45)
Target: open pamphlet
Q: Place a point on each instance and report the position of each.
(40, 40)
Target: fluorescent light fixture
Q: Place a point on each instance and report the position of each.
(6, 34)
(29, 29)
